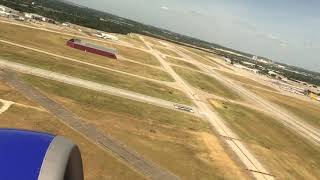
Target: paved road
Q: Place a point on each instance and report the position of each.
(73, 35)
(107, 142)
(91, 85)
(283, 116)
(83, 62)
(251, 163)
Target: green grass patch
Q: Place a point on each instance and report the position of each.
(56, 43)
(245, 80)
(98, 75)
(39, 59)
(206, 83)
(286, 154)
(199, 58)
(167, 137)
(181, 63)
(103, 101)
(137, 55)
(306, 111)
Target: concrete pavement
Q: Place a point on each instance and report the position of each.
(246, 157)
(92, 85)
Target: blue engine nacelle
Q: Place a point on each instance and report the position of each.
(26, 155)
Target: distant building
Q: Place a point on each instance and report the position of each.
(227, 60)
(263, 61)
(314, 93)
(255, 58)
(256, 71)
(248, 64)
(35, 17)
(281, 67)
(106, 36)
(4, 11)
(92, 48)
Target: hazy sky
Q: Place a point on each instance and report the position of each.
(284, 30)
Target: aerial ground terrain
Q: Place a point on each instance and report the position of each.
(122, 113)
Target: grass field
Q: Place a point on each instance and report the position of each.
(199, 58)
(245, 80)
(35, 58)
(307, 111)
(97, 75)
(207, 83)
(137, 55)
(179, 142)
(134, 40)
(286, 154)
(98, 164)
(181, 63)
(56, 43)
(154, 41)
(166, 51)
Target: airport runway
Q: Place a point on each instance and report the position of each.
(107, 142)
(289, 120)
(85, 63)
(242, 152)
(92, 85)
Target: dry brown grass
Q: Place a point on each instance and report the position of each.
(166, 51)
(172, 139)
(245, 80)
(181, 63)
(56, 43)
(308, 111)
(207, 83)
(37, 59)
(286, 154)
(99, 75)
(98, 164)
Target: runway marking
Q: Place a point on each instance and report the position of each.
(6, 105)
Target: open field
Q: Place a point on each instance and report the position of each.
(154, 41)
(134, 40)
(36, 58)
(56, 43)
(164, 138)
(166, 51)
(102, 76)
(98, 164)
(286, 154)
(307, 111)
(245, 80)
(137, 55)
(181, 63)
(199, 58)
(207, 83)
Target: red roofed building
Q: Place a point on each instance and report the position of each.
(92, 48)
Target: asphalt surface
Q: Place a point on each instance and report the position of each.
(92, 85)
(83, 62)
(107, 142)
(309, 132)
(245, 156)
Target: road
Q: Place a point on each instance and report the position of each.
(242, 152)
(92, 85)
(90, 132)
(73, 35)
(83, 62)
(286, 118)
